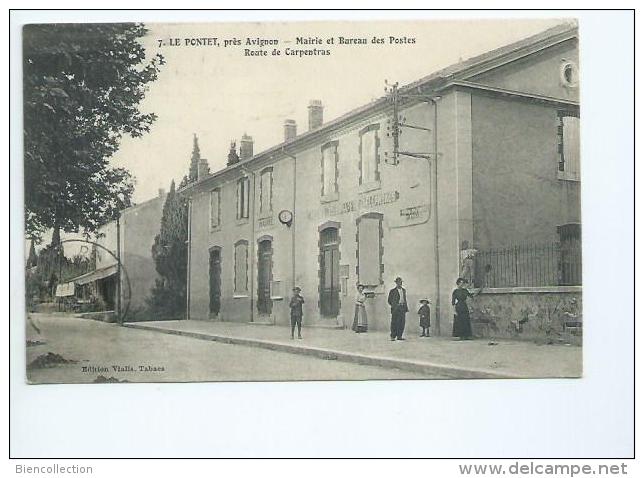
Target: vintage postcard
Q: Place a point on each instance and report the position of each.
(302, 201)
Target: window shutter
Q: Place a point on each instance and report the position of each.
(214, 208)
(329, 167)
(369, 250)
(241, 267)
(238, 199)
(571, 146)
(369, 155)
(262, 188)
(270, 190)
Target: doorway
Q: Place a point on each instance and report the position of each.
(214, 267)
(264, 277)
(329, 272)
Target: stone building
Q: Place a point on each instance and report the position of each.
(134, 233)
(493, 166)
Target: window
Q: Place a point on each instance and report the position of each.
(568, 145)
(266, 190)
(215, 209)
(243, 192)
(330, 169)
(569, 74)
(370, 269)
(369, 158)
(241, 267)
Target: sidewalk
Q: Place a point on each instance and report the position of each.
(435, 355)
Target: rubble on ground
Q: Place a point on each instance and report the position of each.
(47, 360)
(33, 343)
(103, 379)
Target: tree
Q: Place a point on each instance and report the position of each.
(83, 84)
(32, 259)
(169, 251)
(194, 160)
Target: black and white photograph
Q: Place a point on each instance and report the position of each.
(193, 215)
(368, 233)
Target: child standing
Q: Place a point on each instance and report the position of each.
(296, 312)
(423, 313)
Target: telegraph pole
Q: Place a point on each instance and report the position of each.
(395, 127)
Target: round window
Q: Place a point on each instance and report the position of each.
(569, 74)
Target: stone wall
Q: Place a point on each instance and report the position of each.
(543, 314)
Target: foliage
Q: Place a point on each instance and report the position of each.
(32, 259)
(194, 161)
(53, 268)
(83, 84)
(169, 251)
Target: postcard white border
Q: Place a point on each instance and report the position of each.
(589, 417)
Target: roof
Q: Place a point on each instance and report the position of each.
(98, 274)
(432, 82)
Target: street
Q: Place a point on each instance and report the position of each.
(97, 352)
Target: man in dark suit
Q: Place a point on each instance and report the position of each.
(398, 302)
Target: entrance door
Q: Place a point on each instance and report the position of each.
(264, 277)
(215, 281)
(330, 273)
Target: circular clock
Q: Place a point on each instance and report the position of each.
(285, 217)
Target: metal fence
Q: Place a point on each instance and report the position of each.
(529, 265)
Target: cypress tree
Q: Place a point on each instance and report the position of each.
(194, 160)
(169, 251)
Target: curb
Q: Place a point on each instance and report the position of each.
(330, 354)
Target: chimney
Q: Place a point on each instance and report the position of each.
(202, 169)
(290, 129)
(316, 111)
(246, 147)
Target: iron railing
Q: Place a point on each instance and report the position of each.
(529, 265)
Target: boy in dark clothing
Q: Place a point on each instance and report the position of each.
(296, 312)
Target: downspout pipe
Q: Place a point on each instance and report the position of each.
(189, 253)
(253, 249)
(293, 225)
(434, 162)
(253, 242)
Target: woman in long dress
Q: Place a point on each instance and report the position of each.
(360, 315)
(462, 325)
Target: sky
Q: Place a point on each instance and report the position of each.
(219, 94)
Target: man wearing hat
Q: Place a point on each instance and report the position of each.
(296, 312)
(398, 302)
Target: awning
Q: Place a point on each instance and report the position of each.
(65, 290)
(98, 274)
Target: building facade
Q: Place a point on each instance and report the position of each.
(491, 162)
(131, 240)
